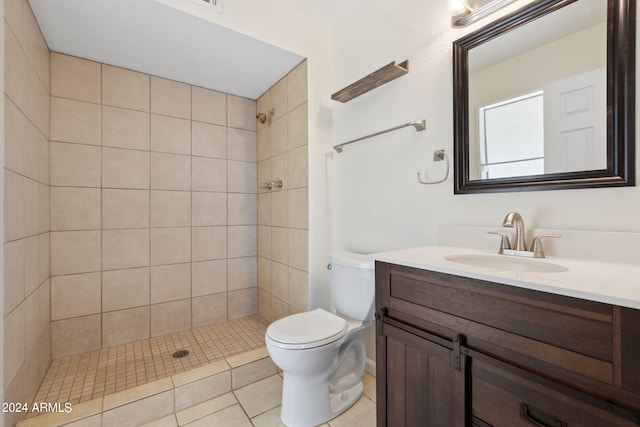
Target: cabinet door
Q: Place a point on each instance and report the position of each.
(420, 382)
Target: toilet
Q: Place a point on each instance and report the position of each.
(322, 354)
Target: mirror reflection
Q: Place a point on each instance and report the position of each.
(537, 96)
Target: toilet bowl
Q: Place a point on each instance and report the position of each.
(322, 354)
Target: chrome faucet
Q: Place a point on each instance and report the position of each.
(514, 220)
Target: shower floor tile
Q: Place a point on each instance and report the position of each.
(87, 376)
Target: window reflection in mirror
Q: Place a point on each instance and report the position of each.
(562, 57)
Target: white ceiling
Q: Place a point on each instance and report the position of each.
(147, 36)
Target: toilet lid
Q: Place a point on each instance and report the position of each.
(307, 330)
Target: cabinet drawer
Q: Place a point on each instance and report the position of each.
(502, 396)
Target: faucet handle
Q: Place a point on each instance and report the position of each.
(504, 241)
(536, 245)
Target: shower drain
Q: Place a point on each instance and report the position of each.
(180, 354)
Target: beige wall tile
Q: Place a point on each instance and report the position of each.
(298, 127)
(75, 295)
(278, 136)
(170, 245)
(209, 243)
(299, 289)
(125, 249)
(252, 372)
(37, 102)
(263, 144)
(298, 167)
(75, 252)
(75, 121)
(125, 208)
(297, 86)
(170, 172)
(264, 209)
(170, 135)
(279, 309)
(279, 98)
(279, 170)
(43, 160)
(45, 256)
(76, 335)
(14, 343)
(264, 274)
(299, 249)
(199, 391)
(15, 69)
(125, 288)
(125, 168)
(31, 264)
(299, 208)
(31, 144)
(141, 411)
(170, 98)
(279, 208)
(199, 411)
(208, 140)
(242, 209)
(208, 277)
(208, 106)
(75, 78)
(75, 208)
(209, 309)
(242, 177)
(75, 165)
(124, 326)
(170, 317)
(36, 49)
(209, 174)
(170, 282)
(241, 303)
(31, 190)
(37, 319)
(243, 273)
(14, 14)
(242, 145)
(209, 208)
(125, 88)
(125, 128)
(241, 113)
(44, 208)
(263, 104)
(14, 272)
(170, 208)
(264, 305)
(14, 206)
(264, 175)
(280, 281)
(14, 136)
(242, 241)
(280, 245)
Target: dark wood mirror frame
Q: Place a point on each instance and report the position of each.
(621, 49)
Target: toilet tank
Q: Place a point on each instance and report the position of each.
(352, 284)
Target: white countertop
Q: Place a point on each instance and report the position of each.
(606, 282)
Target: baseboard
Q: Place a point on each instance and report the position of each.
(370, 367)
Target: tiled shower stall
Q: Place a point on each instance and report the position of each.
(132, 206)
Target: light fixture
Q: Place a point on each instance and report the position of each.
(464, 12)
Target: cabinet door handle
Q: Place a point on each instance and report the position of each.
(541, 419)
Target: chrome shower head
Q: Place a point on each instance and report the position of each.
(262, 117)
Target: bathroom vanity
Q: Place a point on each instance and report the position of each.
(469, 338)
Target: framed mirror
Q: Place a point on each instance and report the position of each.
(544, 99)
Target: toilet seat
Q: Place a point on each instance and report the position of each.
(307, 330)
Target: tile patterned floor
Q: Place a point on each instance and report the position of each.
(91, 375)
(258, 405)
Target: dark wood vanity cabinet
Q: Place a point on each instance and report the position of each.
(454, 351)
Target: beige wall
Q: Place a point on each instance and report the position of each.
(153, 206)
(283, 212)
(27, 349)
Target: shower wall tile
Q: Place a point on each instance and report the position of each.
(14, 206)
(170, 135)
(75, 121)
(15, 69)
(14, 274)
(75, 78)
(283, 213)
(123, 128)
(75, 165)
(125, 208)
(125, 88)
(241, 113)
(15, 124)
(208, 140)
(125, 289)
(170, 172)
(124, 326)
(125, 168)
(209, 106)
(153, 205)
(75, 295)
(14, 343)
(170, 98)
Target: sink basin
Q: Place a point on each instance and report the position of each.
(506, 262)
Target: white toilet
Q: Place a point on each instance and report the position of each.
(321, 354)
